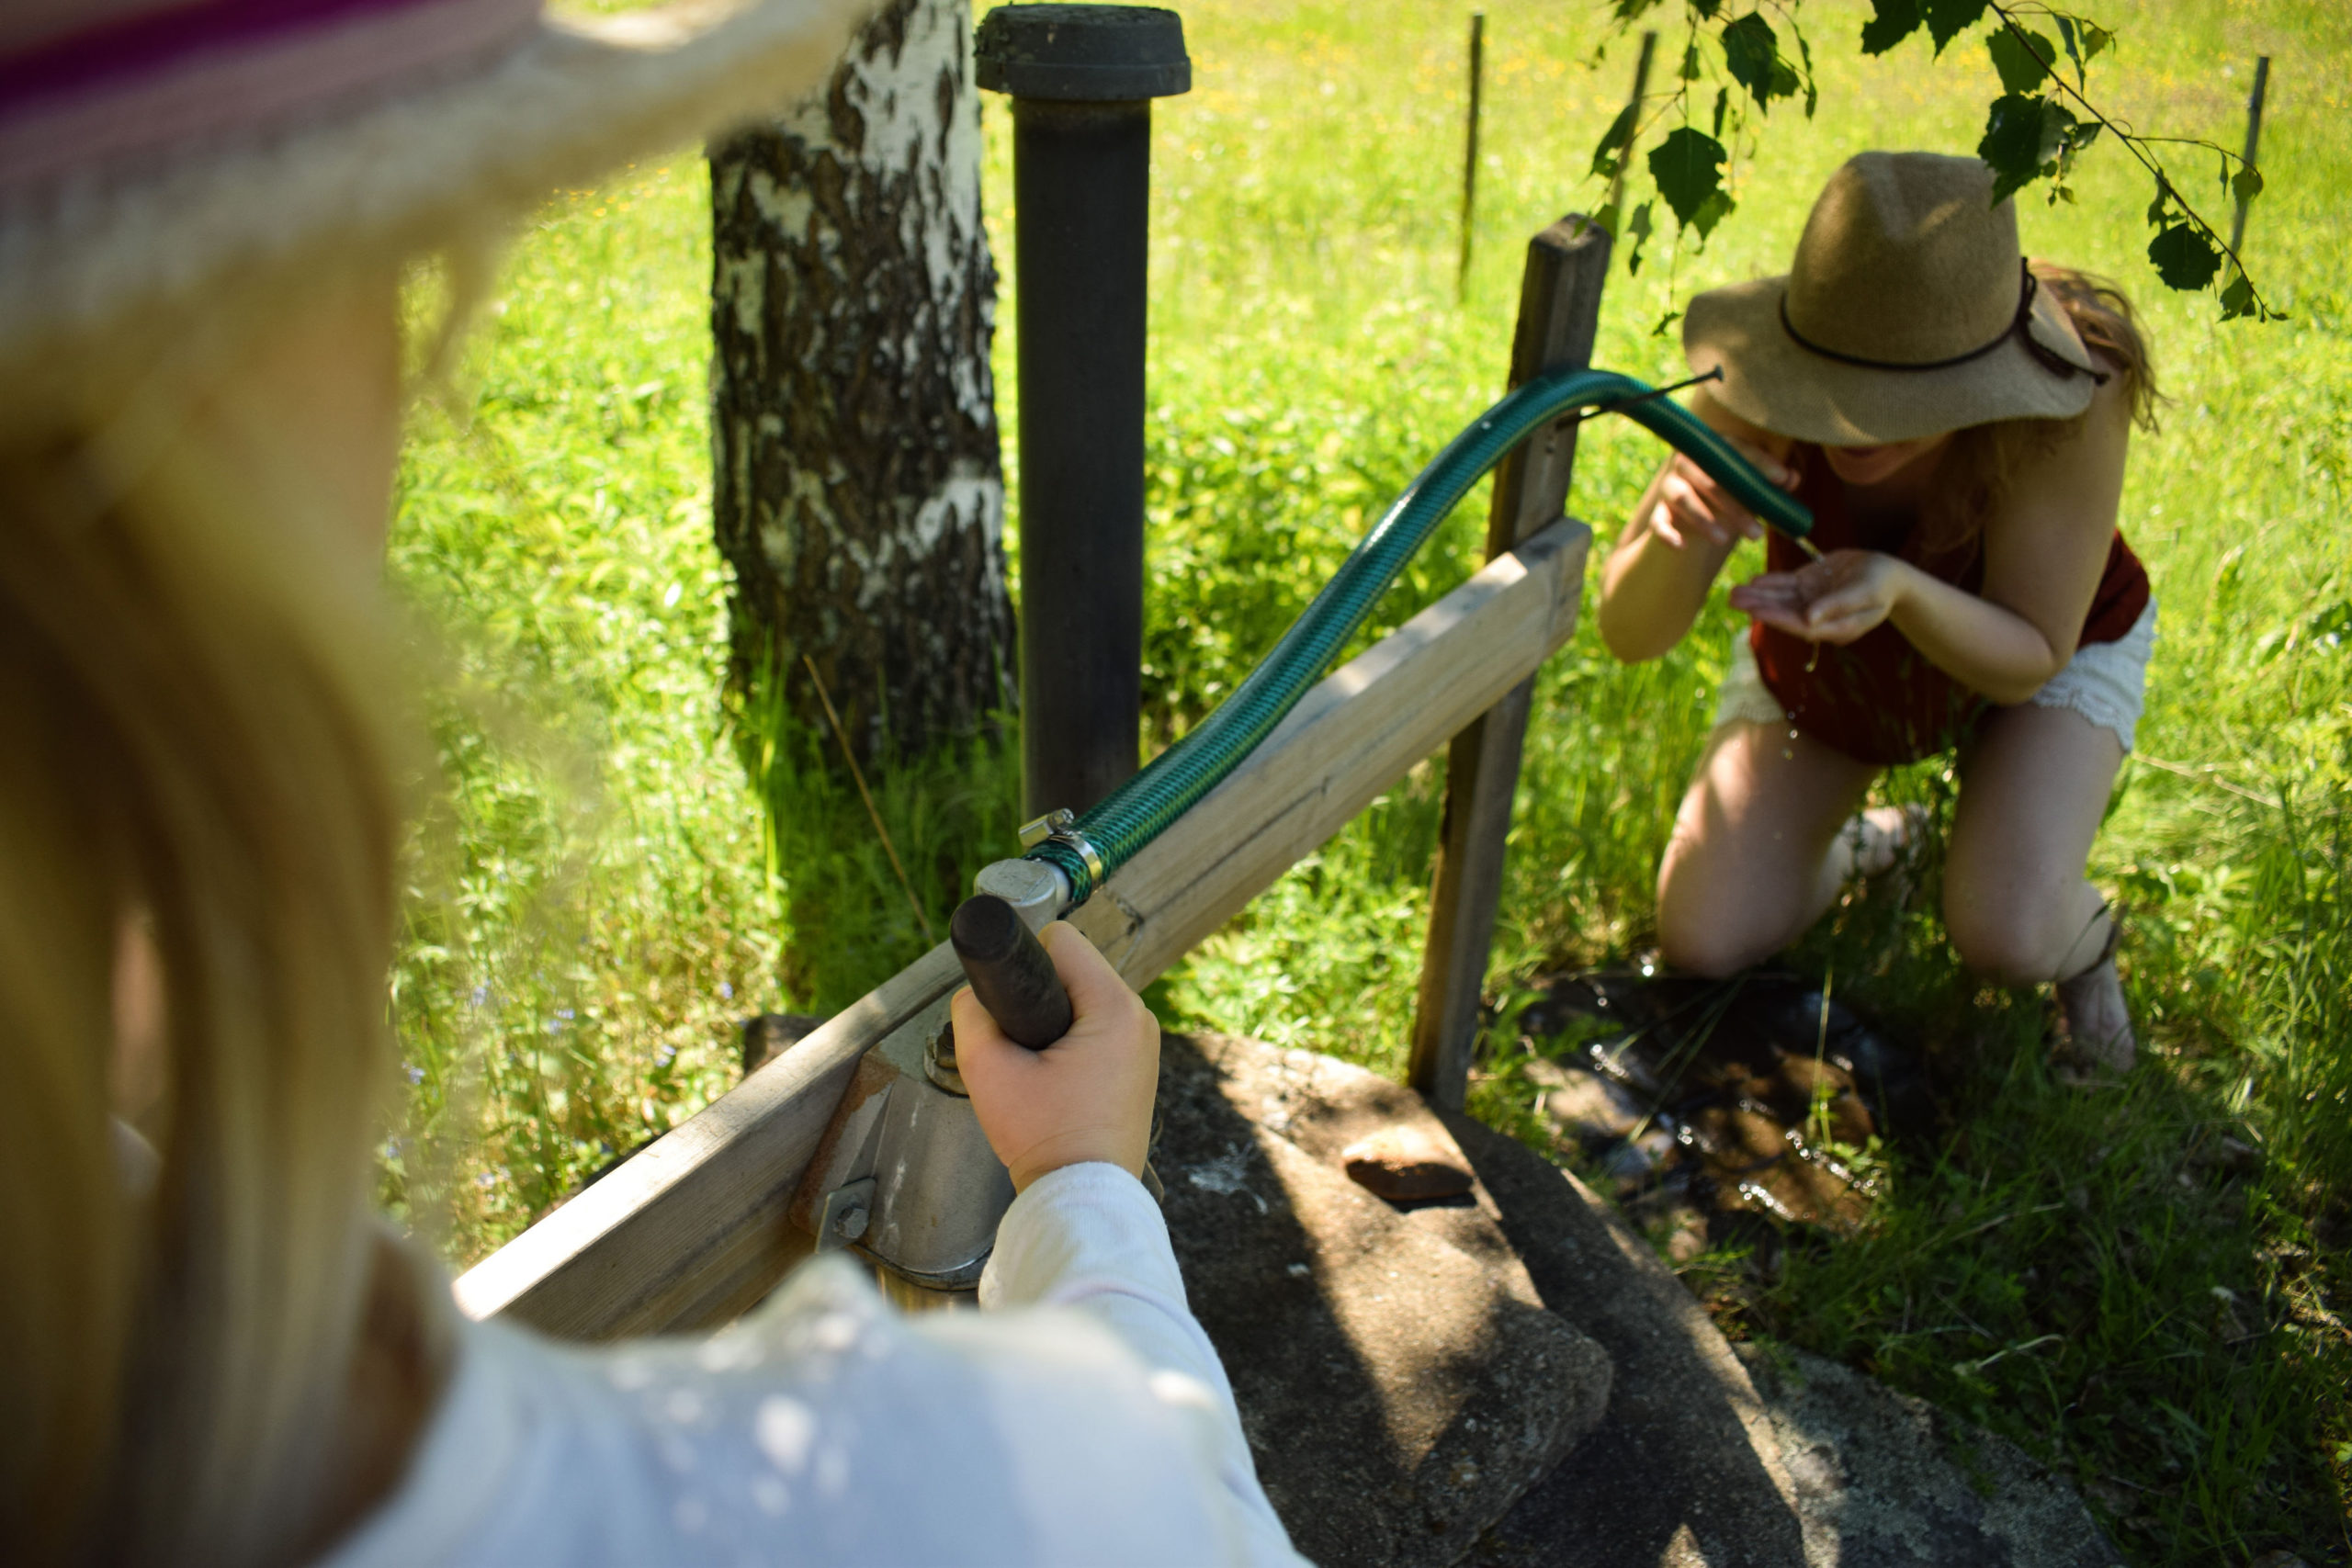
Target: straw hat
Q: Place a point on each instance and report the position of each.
(155, 152)
(1907, 312)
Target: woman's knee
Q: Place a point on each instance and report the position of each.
(1710, 936)
(1713, 955)
(2012, 940)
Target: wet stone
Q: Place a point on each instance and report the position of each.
(1585, 1105)
(1734, 1098)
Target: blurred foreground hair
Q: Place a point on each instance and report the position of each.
(196, 750)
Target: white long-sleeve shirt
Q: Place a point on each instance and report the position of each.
(1083, 1419)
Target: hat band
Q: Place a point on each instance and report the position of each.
(2019, 327)
(141, 88)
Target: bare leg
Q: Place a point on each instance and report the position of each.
(2033, 788)
(1758, 852)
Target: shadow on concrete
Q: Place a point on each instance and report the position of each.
(1399, 1395)
(1675, 1474)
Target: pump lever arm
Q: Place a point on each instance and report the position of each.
(1012, 975)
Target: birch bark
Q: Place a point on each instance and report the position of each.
(859, 492)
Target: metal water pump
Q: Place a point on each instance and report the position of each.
(904, 1176)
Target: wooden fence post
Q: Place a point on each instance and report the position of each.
(1559, 311)
(2253, 150)
(1470, 152)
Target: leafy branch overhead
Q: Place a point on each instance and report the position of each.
(2033, 133)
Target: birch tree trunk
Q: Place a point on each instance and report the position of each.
(858, 490)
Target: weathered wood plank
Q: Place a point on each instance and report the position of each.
(638, 1250)
(1348, 739)
(694, 1228)
(1559, 312)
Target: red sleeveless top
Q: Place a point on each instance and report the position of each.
(1878, 699)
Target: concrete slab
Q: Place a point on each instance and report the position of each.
(1887, 1481)
(1711, 1456)
(1401, 1398)
(1399, 1393)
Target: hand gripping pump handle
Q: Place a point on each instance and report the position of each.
(1011, 972)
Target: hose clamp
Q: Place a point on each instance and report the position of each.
(1060, 827)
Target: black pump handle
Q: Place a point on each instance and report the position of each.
(1010, 971)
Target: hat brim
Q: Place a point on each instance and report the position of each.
(1774, 382)
(96, 270)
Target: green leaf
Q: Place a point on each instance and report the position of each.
(2095, 38)
(1723, 103)
(1711, 211)
(1608, 156)
(1632, 10)
(2184, 257)
(2012, 146)
(1894, 22)
(1706, 8)
(1690, 63)
(2246, 184)
(1752, 53)
(1946, 19)
(2158, 208)
(2074, 52)
(1687, 167)
(2237, 300)
(1638, 226)
(1665, 321)
(2023, 58)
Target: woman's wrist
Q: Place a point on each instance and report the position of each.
(1907, 588)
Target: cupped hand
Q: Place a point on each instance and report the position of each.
(1086, 1097)
(1691, 505)
(1835, 599)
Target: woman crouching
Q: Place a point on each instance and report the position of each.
(1958, 419)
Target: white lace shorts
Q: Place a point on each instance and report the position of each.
(2107, 682)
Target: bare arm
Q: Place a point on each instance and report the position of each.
(2043, 553)
(1684, 528)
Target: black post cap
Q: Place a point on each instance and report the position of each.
(1083, 53)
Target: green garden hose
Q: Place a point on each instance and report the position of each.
(1143, 807)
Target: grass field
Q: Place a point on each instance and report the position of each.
(598, 894)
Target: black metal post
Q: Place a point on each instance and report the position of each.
(1081, 79)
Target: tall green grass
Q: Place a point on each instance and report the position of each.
(612, 870)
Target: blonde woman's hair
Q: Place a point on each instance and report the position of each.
(1980, 465)
(194, 740)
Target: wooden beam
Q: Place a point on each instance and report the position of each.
(656, 1243)
(1559, 312)
(694, 1229)
(1349, 739)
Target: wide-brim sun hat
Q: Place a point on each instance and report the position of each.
(1908, 311)
(160, 154)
